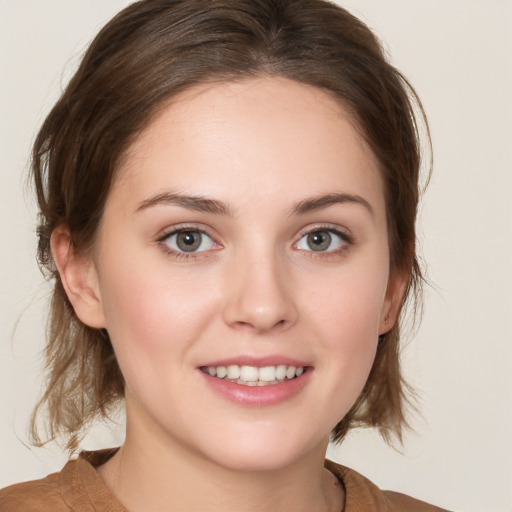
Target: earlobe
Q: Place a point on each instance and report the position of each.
(79, 278)
(395, 292)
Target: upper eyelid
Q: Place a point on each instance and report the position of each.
(169, 231)
(325, 227)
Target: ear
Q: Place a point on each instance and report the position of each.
(395, 292)
(79, 278)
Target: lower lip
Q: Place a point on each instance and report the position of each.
(258, 396)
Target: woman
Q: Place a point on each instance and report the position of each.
(227, 194)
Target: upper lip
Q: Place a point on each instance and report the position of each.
(257, 361)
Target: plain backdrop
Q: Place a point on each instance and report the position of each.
(458, 55)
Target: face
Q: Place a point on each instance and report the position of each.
(241, 269)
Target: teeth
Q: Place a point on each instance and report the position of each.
(267, 373)
(233, 372)
(247, 383)
(254, 376)
(280, 372)
(249, 373)
(290, 373)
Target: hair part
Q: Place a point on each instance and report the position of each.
(146, 55)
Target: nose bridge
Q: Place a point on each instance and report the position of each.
(259, 296)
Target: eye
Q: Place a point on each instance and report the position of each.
(189, 240)
(323, 240)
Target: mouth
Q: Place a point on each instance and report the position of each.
(254, 375)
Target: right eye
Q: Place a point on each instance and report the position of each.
(188, 241)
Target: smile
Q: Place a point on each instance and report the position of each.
(253, 375)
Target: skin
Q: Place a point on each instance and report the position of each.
(262, 147)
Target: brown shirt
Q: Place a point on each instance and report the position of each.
(79, 488)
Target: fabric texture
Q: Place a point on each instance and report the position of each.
(80, 488)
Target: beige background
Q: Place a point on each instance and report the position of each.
(458, 54)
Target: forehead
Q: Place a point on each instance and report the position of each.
(250, 137)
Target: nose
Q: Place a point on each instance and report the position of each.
(259, 295)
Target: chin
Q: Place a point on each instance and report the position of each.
(262, 453)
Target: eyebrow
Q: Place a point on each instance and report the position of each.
(197, 203)
(318, 203)
(206, 205)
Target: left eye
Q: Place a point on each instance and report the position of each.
(189, 240)
(322, 240)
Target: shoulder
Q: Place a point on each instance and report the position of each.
(36, 496)
(406, 503)
(362, 495)
(78, 487)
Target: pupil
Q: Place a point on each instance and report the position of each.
(319, 241)
(188, 241)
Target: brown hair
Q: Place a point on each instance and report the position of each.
(150, 52)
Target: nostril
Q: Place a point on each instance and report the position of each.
(259, 326)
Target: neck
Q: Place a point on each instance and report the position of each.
(151, 473)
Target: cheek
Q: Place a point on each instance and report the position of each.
(347, 304)
(344, 312)
(153, 319)
(151, 312)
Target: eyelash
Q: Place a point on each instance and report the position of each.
(347, 240)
